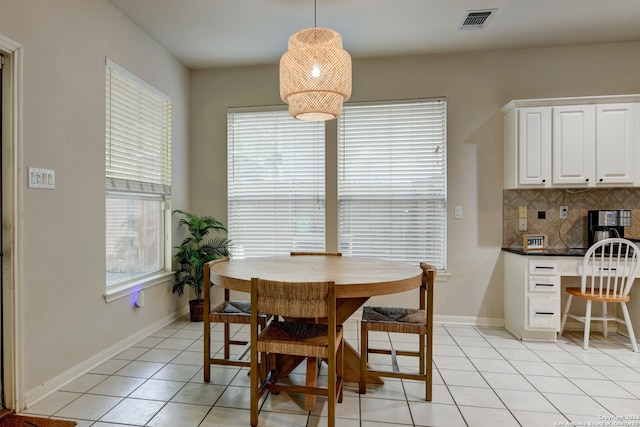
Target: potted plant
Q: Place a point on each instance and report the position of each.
(194, 252)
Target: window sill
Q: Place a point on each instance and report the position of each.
(117, 292)
(442, 277)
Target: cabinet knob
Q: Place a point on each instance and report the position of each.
(601, 180)
(544, 180)
(586, 180)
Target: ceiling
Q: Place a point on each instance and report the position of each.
(223, 33)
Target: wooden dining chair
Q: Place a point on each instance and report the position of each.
(227, 312)
(312, 369)
(405, 321)
(608, 272)
(322, 340)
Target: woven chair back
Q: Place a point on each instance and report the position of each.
(292, 299)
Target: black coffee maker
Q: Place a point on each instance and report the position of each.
(605, 224)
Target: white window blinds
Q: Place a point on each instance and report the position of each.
(392, 193)
(137, 178)
(138, 134)
(276, 183)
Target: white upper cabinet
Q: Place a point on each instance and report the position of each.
(617, 141)
(534, 144)
(572, 142)
(574, 137)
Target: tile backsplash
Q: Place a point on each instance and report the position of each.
(570, 232)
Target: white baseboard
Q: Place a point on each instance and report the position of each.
(35, 395)
(469, 320)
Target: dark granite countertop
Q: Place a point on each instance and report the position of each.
(575, 252)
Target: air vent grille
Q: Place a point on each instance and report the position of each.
(477, 19)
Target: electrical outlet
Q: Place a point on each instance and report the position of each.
(522, 224)
(564, 212)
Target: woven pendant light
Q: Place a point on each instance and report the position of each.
(315, 75)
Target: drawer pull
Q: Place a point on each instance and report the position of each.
(538, 267)
(545, 284)
(545, 313)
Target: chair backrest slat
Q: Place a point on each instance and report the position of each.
(427, 292)
(206, 278)
(316, 253)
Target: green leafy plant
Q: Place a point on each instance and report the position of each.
(195, 251)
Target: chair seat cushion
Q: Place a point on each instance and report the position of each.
(296, 338)
(234, 311)
(610, 297)
(395, 319)
(233, 307)
(393, 314)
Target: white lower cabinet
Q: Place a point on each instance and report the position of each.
(531, 297)
(543, 313)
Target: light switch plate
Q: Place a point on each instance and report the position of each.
(457, 212)
(41, 178)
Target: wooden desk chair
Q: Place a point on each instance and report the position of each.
(227, 312)
(608, 271)
(304, 300)
(406, 321)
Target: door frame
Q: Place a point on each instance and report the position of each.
(12, 184)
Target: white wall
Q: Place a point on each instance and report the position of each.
(63, 318)
(476, 86)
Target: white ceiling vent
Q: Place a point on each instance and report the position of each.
(477, 19)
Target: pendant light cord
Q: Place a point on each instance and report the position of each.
(315, 13)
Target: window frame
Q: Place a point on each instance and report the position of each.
(332, 200)
(305, 190)
(417, 193)
(136, 184)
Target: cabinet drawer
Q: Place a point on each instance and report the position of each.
(544, 283)
(543, 313)
(543, 268)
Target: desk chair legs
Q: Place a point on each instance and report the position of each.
(587, 322)
(608, 272)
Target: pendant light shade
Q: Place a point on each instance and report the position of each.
(315, 75)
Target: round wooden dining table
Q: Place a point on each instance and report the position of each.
(356, 279)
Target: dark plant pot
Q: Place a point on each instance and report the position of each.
(196, 309)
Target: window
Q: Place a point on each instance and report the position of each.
(138, 178)
(392, 194)
(276, 183)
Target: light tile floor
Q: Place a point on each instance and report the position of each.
(482, 377)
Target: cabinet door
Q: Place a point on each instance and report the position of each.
(534, 146)
(544, 313)
(574, 145)
(615, 144)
